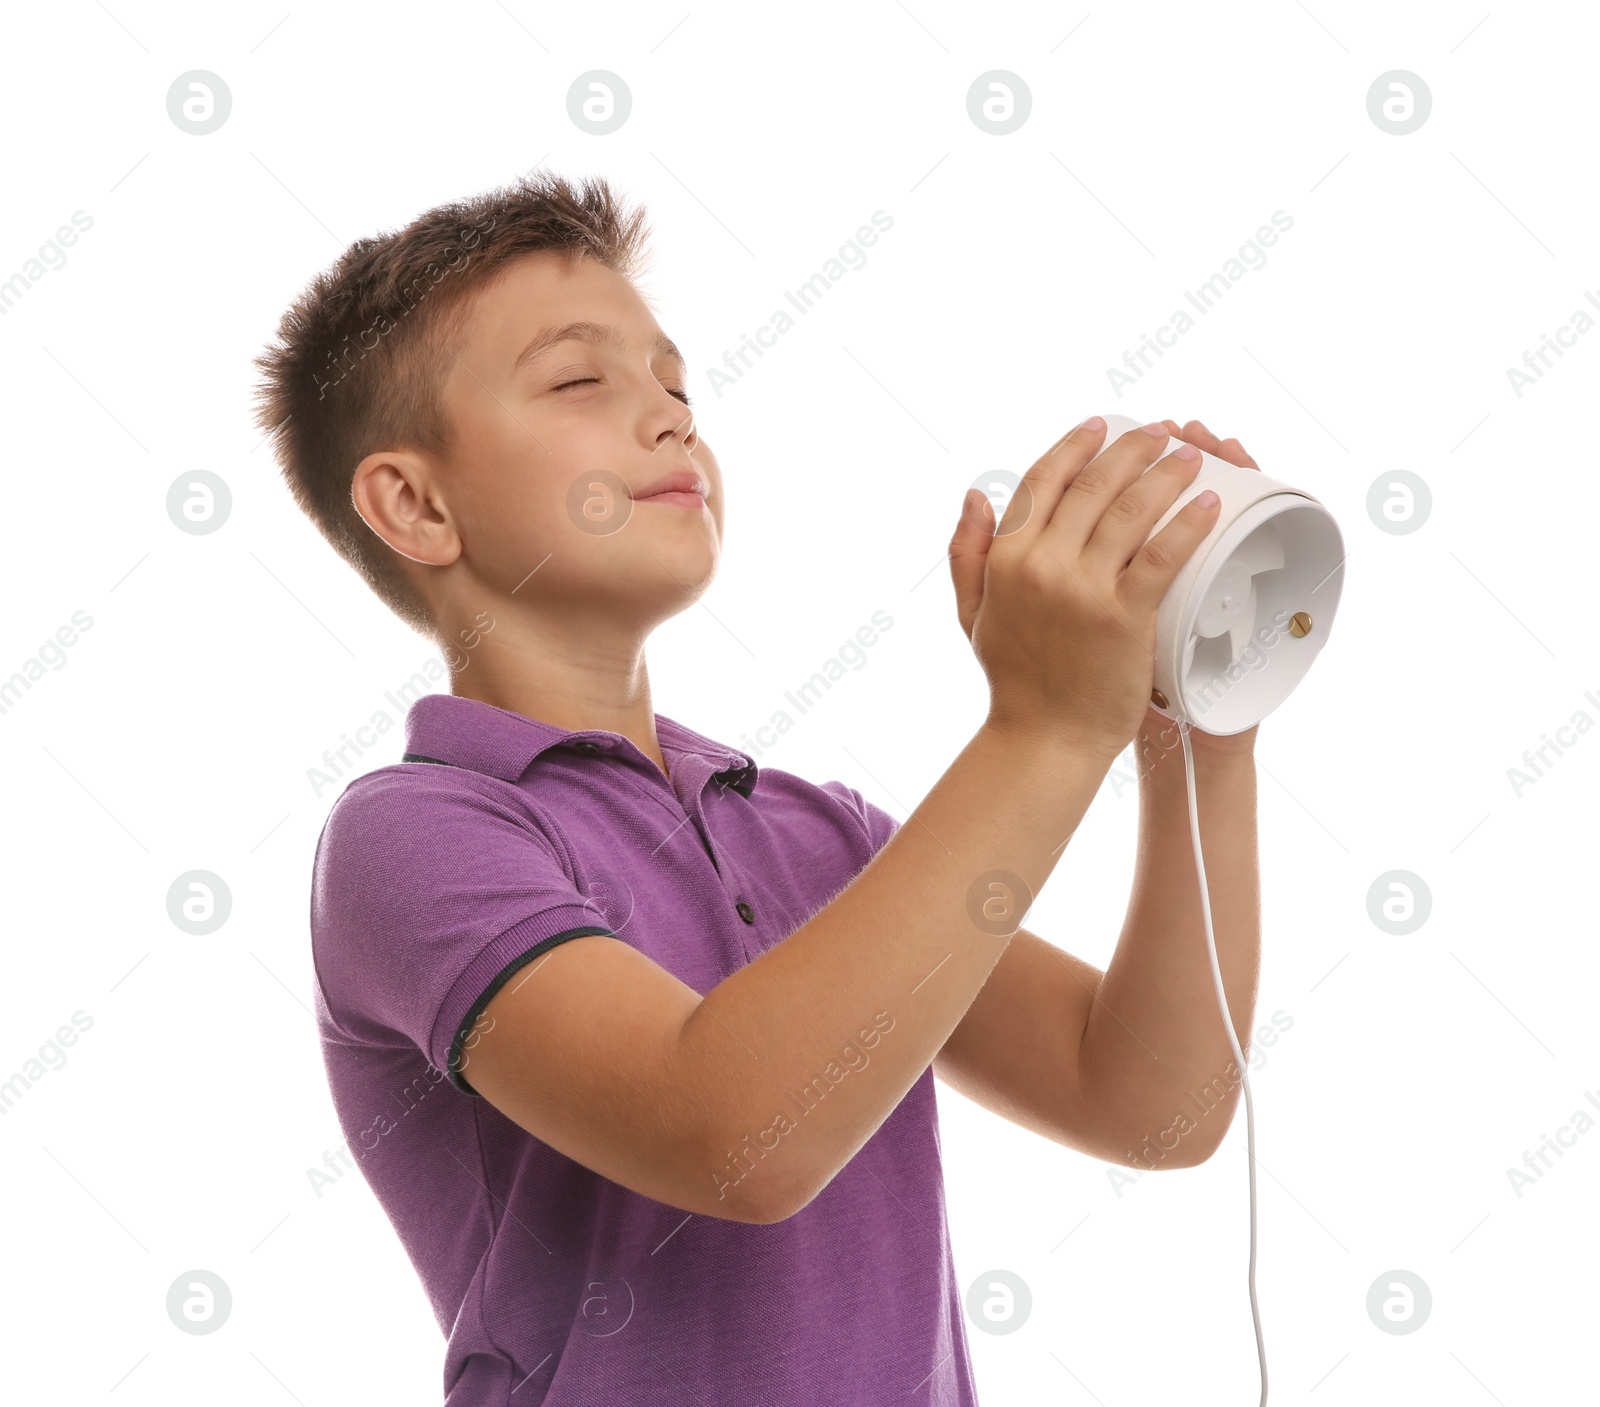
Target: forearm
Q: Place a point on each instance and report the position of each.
(1155, 1057)
(775, 1052)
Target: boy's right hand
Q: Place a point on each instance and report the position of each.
(1060, 603)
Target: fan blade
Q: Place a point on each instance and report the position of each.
(1243, 627)
(1214, 617)
(1208, 658)
(1222, 633)
(1261, 552)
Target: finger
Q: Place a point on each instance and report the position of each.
(1197, 434)
(1234, 453)
(1042, 486)
(1230, 450)
(1095, 489)
(1158, 562)
(1124, 526)
(969, 550)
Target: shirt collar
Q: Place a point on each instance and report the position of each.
(469, 733)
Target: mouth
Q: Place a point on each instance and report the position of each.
(681, 498)
(681, 489)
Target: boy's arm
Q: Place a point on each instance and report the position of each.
(1105, 1062)
(1087, 1068)
(609, 1059)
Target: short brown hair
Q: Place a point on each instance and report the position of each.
(360, 358)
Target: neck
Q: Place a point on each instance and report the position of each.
(571, 675)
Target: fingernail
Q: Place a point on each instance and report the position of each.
(1186, 451)
(970, 501)
(1155, 427)
(1207, 499)
(1094, 422)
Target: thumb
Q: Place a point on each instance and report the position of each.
(969, 550)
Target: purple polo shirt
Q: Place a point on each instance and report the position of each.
(438, 878)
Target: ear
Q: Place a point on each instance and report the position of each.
(398, 496)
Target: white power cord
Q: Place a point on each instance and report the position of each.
(1233, 1039)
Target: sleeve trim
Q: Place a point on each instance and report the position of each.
(456, 1056)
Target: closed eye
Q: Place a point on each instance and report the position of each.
(595, 380)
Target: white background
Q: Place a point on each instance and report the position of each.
(179, 732)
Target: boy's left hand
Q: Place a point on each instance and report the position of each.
(1156, 723)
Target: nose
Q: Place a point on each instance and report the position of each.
(684, 426)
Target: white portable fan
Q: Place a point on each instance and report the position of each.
(1236, 631)
(1252, 607)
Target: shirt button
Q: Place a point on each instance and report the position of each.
(745, 911)
(586, 747)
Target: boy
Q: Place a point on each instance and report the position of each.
(634, 1040)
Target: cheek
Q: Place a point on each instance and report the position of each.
(509, 507)
(538, 477)
(573, 471)
(594, 504)
(708, 465)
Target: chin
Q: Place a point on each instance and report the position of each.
(694, 565)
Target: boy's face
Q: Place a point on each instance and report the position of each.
(554, 449)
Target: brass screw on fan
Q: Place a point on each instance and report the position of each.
(1299, 625)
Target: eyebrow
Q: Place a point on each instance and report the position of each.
(597, 334)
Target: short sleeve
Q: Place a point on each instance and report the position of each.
(880, 825)
(431, 888)
(877, 822)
